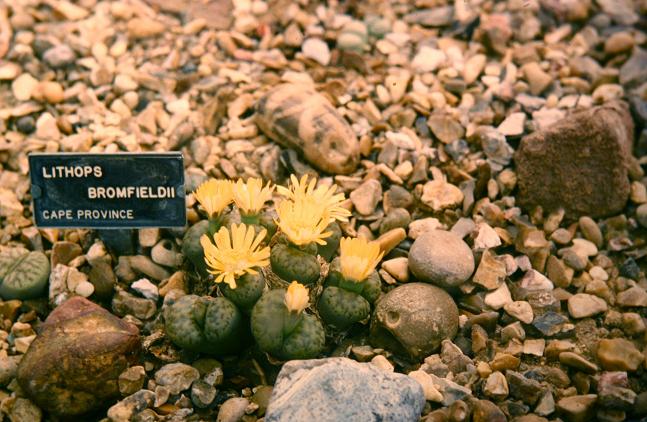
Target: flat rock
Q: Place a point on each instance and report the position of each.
(340, 389)
(414, 319)
(553, 172)
(297, 117)
(577, 408)
(442, 258)
(619, 354)
(366, 197)
(73, 365)
(584, 305)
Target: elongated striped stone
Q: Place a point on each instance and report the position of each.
(298, 117)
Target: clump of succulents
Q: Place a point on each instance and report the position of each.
(282, 328)
(234, 246)
(352, 285)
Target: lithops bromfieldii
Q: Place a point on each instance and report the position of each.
(298, 117)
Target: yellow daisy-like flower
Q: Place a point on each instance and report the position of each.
(303, 222)
(358, 257)
(215, 195)
(236, 254)
(323, 196)
(296, 298)
(251, 196)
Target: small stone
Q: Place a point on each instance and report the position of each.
(124, 410)
(26, 124)
(577, 408)
(496, 386)
(389, 240)
(123, 303)
(383, 363)
(423, 225)
(52, 92)
(513, 125)
(632, 297)
(534, 347)
(473, 68)
(445, 128)
(146, 266)
(619, 354)
(439, 195)
(398, 268)
(9, 71)
(591, 230)
(202, 394)
(498, 298)
(537, 78)
(442, 258)
(145, 28)
(145, 288)
(578, 362)
(583, 305)
(132, 380)
(59, 56)
(317, 50)
(632, 72)
(177, 377)
(491, 272)
(520, 310)
(23, 87)
(366, 197)
(84, 289)
(523, 388)
(534, 281)
(486, 411)
(427, 384)
(21, 410)
(428, 59)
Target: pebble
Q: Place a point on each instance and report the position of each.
(132, 380)
(23, 87)
(442, 258)
(578, 362)
(577, 408)
(619, 355)
(496, 386)
(145, 288)
(426, 382)
(177, 377)
(144, 28)
(59, 56)
(591, 230)
(428, 59)
(498, 298)
(537, 78)
(583, 305)
(513, 125)
(491, 272)
(317, 50)
(520, 310)
(398, 268)
(366, 197)
(473, 68)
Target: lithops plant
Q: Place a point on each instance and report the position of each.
(352, 285)
(304, 218)
(298, 117)
(282, 328)
(234, 259)
(192, 249)
(23, 274)
(212, 325)
(250, 197)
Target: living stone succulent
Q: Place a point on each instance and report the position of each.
(249, 288)
(292, 262)
(352, 285)
(212, 325)
(282, 328)
(192, 249)
(328, 250)
(23, 274)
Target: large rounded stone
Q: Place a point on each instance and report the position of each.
(442, 258)
(73, 366)
(413, 319)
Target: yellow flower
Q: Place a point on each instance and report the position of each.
(358, 257)
(296, 298)
(323, 196)
(303, 222)
(251, 196)
(235, 255)
(214, 195)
